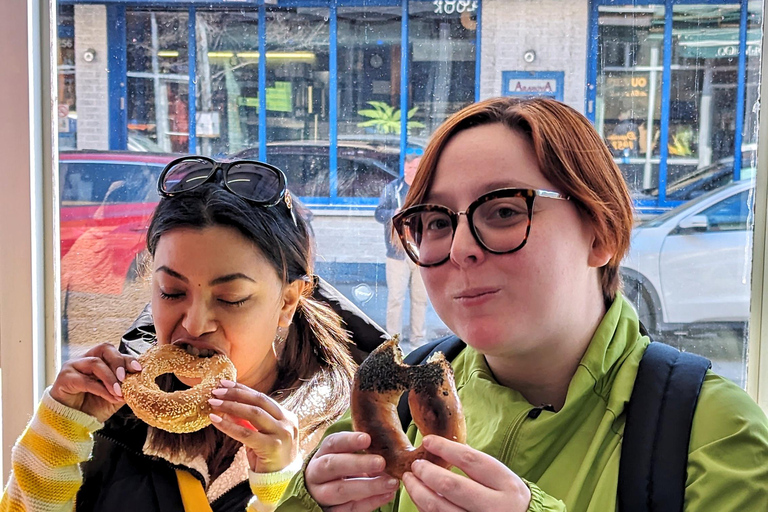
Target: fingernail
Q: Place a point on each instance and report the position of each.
(392, 483)
(215, 402)
(120, 373)
(361, 437)
(117, 389)
(219, 392)
(227, 383)
(136, 366)
(215, 418)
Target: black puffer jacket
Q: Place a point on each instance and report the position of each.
(119, 477)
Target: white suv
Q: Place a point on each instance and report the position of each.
(690, 267)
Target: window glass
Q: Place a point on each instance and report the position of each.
(731, 214)
(227, 82)
(158, 78)
(629, 89)
(316, 88)
(441, 40)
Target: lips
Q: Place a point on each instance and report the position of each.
(476, 293)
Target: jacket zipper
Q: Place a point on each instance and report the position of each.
(510, 440)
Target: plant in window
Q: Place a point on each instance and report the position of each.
(385, 118)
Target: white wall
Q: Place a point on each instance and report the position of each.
(511, 27)
(91, 78)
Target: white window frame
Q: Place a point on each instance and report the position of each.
(29, 254)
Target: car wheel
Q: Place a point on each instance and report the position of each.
(641, 300)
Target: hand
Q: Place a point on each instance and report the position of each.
(489, 484)
(269, 432)
(91, 384)
(341, 480)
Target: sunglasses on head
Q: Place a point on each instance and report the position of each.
(256, 182)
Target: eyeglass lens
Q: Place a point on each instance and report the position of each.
(500, 224)
(186, 175)
(248, 180)
(254, 182)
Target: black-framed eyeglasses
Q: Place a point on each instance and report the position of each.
(500, 222)
(257, 182)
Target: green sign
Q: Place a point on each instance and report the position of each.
(279, 98)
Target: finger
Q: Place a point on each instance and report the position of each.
(261, 442)
(97, 368)
(255, 415)
(366, 505)
(424, 497)
(246, 395)
(335, 466)
(76, 382)
(354, 492)
(345, 442)
(478, 466)
(448, 487)
(120, 363)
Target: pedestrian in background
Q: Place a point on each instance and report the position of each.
(401, 271)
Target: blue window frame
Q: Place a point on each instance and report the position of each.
(661, 203)
(118, 93)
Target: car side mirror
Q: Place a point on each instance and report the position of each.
(694, 223)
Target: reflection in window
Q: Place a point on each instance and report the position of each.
(629, 88)
(158, 78)
(730, 214)
(442, 53)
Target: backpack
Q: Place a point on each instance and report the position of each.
(654, 451)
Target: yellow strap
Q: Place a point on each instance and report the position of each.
(192, 493)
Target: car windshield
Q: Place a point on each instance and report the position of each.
(664, 217)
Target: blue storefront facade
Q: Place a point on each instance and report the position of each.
(328, 90)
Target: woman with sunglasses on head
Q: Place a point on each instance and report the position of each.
(519, 218)
(232, 275)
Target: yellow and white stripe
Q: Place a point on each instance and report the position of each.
(46, 474)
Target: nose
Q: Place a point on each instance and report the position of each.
(199, 319)
(465, 251)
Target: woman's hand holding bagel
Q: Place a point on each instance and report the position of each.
(488, 484)
(269, 432)
(341, 479)
(91, 383)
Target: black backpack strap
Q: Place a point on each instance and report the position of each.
(449, 345)
(654, 452)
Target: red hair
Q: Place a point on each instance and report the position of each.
(569, 153)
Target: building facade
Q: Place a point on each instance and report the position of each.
(335, 91)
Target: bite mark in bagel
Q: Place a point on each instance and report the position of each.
(179, 411)
(380, 381)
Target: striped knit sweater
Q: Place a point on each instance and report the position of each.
(46, 475)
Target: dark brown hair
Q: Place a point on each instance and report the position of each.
(569, 153)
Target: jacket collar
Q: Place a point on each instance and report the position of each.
(615, 341)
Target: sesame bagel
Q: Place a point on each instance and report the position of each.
(179, 411)
(380, 381)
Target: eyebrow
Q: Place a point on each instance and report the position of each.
(440, 198)
(219, 280)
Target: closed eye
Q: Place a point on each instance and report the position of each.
(235, 303)
(171, 296)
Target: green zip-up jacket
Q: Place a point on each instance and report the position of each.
(570, 459)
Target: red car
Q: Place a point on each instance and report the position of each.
(107, 199)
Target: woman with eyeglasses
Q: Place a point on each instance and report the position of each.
(231, 274)
(519, 218)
